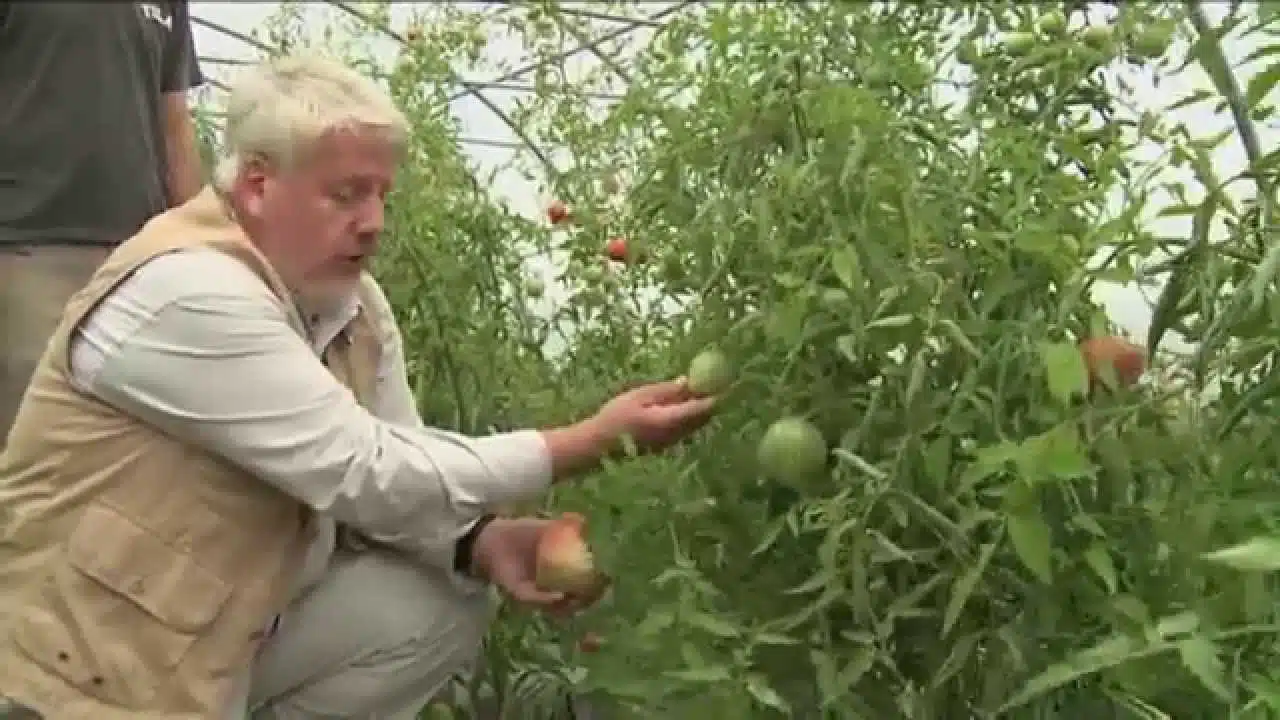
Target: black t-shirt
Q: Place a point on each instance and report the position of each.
(82, 148)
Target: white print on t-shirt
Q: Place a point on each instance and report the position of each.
(156, 13)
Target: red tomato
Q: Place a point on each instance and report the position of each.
(617, 250)
(1128, 360)
(557, 213)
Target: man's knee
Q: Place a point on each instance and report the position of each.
(378, 638)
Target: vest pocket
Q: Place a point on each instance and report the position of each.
(121, 610)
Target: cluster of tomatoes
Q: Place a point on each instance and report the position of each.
(615, 249)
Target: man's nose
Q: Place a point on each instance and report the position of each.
(374, 217)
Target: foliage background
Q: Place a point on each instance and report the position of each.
(903, 248)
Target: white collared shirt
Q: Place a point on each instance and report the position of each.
(195, 344)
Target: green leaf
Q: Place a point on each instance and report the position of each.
(893, 321)
(1057, 453)
(1032, 542)
(844, 263)
(1261, 554)
(761, 691)
(963, 589)
(1200, 658)
(1065, 371)
(1099, 559)
(1261, 85)
(707, 675)
(1109, 653)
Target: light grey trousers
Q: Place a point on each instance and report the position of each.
(376, 639)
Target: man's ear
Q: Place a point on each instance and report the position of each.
(253, 181)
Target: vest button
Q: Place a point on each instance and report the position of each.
(63, 657)
(96, 680)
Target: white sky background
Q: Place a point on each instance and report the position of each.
(1126, 305)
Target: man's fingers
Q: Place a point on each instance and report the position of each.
(667, 391)
(688, 414)
(529, 594)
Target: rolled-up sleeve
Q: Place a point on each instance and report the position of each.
(220, 367)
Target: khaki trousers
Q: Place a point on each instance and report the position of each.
(35, 284)
(376, 639)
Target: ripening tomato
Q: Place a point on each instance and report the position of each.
(557, 213)
(564, 562)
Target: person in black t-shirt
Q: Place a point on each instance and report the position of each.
(96, 138)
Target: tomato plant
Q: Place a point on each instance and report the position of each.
(893, 219)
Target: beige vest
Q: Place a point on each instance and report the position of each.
(137, 573)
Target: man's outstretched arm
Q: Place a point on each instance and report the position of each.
(195, 344)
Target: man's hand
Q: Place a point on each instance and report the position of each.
(654, 416)
(506, 554)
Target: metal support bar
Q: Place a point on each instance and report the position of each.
(515, 127)
(557, 57)
(608, 18)
(232, 33)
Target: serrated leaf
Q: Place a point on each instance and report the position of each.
(1058, 453)
(1261, 554)
(963, 588)
(712, 625)
(1032, 543)
(1065, 371)
(1108, 653)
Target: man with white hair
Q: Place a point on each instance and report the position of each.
(225, 398)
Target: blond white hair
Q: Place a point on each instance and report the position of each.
(278, 109)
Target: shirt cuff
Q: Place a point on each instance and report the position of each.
(521, 463)
(465, 584)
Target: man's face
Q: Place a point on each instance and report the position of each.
(319, 222)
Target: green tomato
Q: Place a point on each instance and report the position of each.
(967, 53)
(792, 451)
(1097, 37)
(535, 288)
(1019, 44)
(1052, 23)
(1152, 42)
(710, 373)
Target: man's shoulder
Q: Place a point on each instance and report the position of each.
(191, 274)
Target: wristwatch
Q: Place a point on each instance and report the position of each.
(465, 548)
